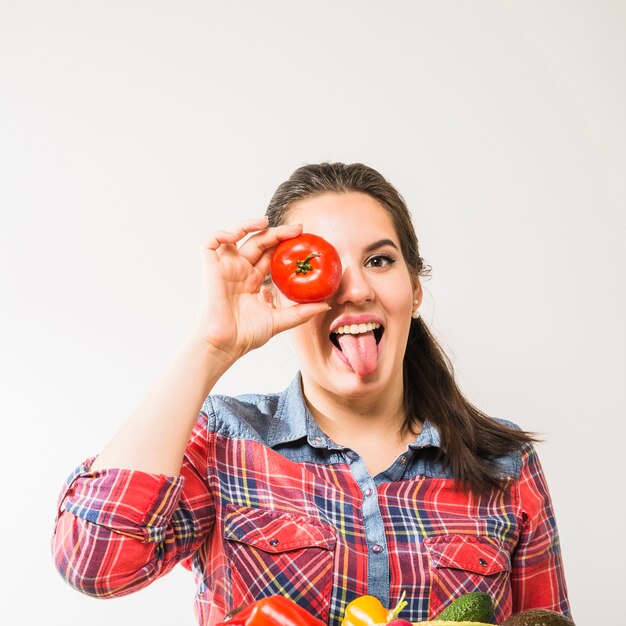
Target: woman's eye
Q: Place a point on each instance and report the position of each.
(380, 260)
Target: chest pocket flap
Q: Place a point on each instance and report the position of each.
(468, 553)
(276, 531)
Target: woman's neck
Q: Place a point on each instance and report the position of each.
(355, 422)
(379, 436)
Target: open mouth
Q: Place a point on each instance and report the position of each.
(356, 329)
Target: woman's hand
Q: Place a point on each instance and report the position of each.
(236, 314)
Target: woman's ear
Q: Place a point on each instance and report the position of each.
(417, 292)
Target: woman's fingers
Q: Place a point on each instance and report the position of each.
(296, 314)
(264, 263)
(259, 244)
(236, 233)
(261, 239)
(237, 312)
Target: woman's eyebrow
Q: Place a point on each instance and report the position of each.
(379, 244)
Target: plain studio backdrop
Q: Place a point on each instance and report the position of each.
(129, 131)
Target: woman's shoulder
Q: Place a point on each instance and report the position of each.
(508, 423)
(512, 463)
(246, 416)
(256, 416)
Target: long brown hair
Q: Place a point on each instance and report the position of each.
(471, 441)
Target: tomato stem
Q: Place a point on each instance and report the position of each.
(304, 266)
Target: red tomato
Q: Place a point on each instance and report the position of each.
(306, 268)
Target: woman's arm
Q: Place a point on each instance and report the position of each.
(537, 576)
(143, 504)
(154, 437)
(119, 529)
(233, 319)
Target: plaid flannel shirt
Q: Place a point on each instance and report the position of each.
(265, 503)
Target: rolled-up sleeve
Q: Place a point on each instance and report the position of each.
(118, 529)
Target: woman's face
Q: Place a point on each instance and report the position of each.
(357, 348)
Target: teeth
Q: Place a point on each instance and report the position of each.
(355, 329)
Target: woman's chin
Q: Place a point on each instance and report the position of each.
(349, 384)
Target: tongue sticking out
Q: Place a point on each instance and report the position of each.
(361, 352)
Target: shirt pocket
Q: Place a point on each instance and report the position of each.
(462, 564)
(272, 552)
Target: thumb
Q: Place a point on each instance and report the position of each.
(297, 314)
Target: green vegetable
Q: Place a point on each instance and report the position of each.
(471, 607)
(538, 617)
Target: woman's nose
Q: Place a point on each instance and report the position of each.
(354, 287)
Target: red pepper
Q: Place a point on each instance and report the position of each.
(273, 611)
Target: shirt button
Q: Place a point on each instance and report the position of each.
(317, 440)
(377, 548)
(368, 492)
(482, 562)
(273, 542)
(403, 459)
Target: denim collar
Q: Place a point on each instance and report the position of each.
(428, 437)
(293, 421)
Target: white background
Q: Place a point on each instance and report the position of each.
(129, 131)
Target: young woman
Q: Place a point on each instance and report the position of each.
(370, 474)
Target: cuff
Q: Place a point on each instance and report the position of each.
(129, 502)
